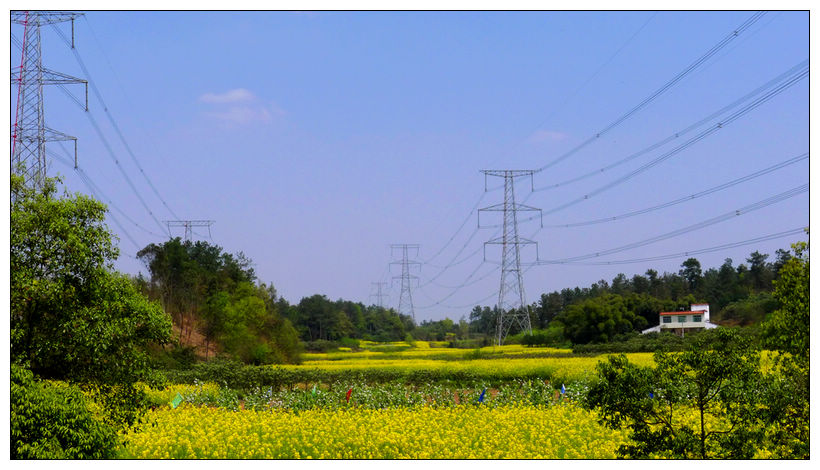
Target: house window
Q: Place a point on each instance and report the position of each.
(667, 319)
(696, 318)
(682, 319)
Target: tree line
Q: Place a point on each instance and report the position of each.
(738, 296)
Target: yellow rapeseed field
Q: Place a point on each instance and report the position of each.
(463, 432)
(565, 367)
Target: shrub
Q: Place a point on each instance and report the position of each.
(320, 345)
(55, 421)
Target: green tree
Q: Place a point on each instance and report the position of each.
(718, 378)
(760, 272)
(72, 317)
(787, 331)
(599, 319)
(692, 273)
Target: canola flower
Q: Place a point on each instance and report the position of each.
(567, 368)
(423, 350)
(464, 432)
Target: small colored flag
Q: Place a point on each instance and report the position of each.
(176, 401)
(314, 390)
(563, 390)
(481, 398)
(347, 396)
(651, 395)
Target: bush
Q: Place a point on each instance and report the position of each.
(552, 336)
(320, 345)
(55, 421)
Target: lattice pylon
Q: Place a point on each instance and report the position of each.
(406, 295)
(29, 133)
(512, 306)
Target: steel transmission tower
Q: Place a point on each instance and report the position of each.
(406, 297)
(189, 225)
(379, 295)
(512, 306)
(29, 133)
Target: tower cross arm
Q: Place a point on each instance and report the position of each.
(43, 17)
(508, 173)
(49, 77)
(509, 207)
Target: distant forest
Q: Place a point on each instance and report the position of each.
(219, 308)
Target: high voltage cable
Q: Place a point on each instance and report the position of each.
(125, 94)
(452, 262)
(687, 198)
(682, 132)
(586, 82)
(721, 218)
(694, 65)
(751, 241)
(98, 193)
(454, 290)
(111, 119)
(90, 185)
(475, 206)
(443, 286)
(709, 131)
(119, 166)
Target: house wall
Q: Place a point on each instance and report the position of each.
(687, 324)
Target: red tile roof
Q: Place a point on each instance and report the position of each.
(686, 312)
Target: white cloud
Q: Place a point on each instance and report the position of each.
(237, 95)
(240, 106)
(545, 135)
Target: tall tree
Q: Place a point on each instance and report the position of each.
(692, 273)
(760, 272)
(72, 317)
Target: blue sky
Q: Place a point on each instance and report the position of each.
(317, 139)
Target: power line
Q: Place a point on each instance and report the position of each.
(443, 286)
(94, 191)
(803, 73)
(677, 78)
(721, 218)
(114, 122)
(689, 253)
(119, 167)
(97, 192)
(469, 215)
(678, 134)
(453, 292)
(571, 95)
(691, 197)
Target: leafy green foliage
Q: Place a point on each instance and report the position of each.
(71, 316)
(719, 382)
(55, 421)
(599, 319)
(787, 330)
(552, 336)
(211, 291)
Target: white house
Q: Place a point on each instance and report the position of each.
(696, 319)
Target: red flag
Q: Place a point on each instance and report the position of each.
(347, 396)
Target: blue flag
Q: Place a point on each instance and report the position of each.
(651, 395)
(563, 390)
(481, 398)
